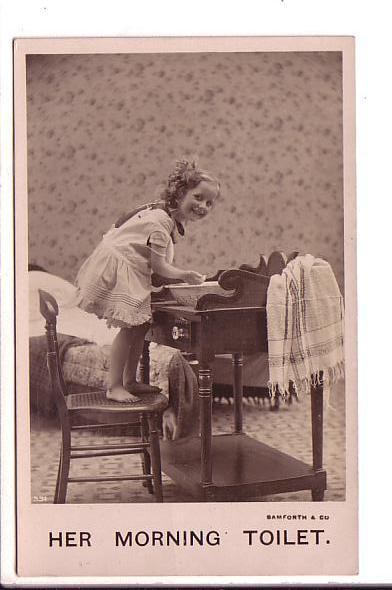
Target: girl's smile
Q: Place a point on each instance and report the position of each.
(197, 202)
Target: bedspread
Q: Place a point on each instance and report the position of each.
(89, 365)
(41, 399)
(85, 366)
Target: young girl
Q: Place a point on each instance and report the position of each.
(115, 281)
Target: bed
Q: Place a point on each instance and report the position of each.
(84, 343)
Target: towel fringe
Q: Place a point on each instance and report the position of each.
(330, 375)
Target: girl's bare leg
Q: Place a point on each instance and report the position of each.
(135, 350)
(118, 359)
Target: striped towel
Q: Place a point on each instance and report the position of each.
(305, 323)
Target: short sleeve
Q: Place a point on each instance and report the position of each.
(161, 228)
(159, 238)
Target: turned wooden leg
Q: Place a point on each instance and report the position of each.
(237, 361)
(205, 396)
(155, 457)
(317, 434)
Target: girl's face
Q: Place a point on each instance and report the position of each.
(197, 202)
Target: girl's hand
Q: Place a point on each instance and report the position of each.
(192, 277)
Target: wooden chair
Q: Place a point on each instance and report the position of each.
(75, 413)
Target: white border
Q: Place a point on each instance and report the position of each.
(369, 23)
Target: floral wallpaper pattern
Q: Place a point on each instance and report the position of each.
(104, 131)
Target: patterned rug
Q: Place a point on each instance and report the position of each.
(288, 430)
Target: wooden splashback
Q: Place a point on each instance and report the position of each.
(250, 284)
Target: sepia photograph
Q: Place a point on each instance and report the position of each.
(253, 142)
(181, 217)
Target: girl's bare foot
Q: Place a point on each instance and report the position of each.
(140, 388)
(119, 394)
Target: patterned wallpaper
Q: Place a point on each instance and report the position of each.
(104, 131)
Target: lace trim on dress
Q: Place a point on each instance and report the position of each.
(115, 316)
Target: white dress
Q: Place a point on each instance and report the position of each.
(115, 281)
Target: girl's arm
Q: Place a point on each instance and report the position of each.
(159, 265)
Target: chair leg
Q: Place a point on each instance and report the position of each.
(62, 475)
(146, 459)
(56, 492)
(155, 457)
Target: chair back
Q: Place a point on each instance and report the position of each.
(50, 309)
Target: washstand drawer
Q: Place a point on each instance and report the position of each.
(172, 331)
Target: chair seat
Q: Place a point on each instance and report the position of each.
(97, 400)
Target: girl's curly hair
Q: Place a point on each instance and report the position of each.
(184, 177)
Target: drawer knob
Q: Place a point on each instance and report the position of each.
(179, 333)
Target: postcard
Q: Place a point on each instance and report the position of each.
(185, 266)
